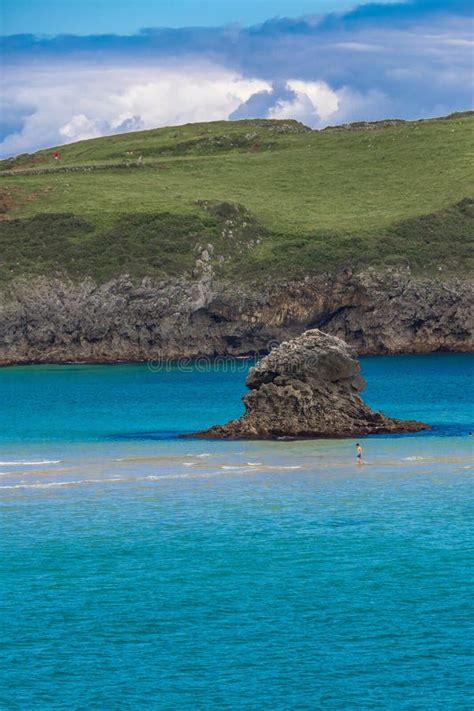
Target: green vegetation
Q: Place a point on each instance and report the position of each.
(376, 194)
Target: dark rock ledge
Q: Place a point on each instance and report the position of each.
(307, 388)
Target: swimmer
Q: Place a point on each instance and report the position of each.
(359, 453)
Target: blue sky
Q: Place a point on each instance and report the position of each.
(83, 17)
(76, 69)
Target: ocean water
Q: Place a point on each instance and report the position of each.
(143, 571)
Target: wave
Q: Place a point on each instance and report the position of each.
(50, 485)
(453, 459)
(247, 468)
(154, 477)
(414, 459)
(82, 482)
(30, 463)
(267, 467)
(235, 467)
(296, 466)
(58, 484)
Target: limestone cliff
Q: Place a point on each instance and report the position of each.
(390, 311)
(307, 387)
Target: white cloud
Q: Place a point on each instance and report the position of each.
(317, 104)
(358, 46)
(79, 101)
(79, 128)
(314, 101)
(469, 44)
(371, 105)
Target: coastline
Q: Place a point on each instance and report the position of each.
(123, 321)
(177, 361)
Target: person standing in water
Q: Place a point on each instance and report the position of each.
(359, 453)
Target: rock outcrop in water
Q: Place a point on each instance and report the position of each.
(308, 387)
(377, 311)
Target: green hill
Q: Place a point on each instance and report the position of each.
(270, 197)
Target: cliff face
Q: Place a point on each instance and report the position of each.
(307, 387)
(52, 320)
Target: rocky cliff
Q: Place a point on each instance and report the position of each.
(307, 387)
(390, 311)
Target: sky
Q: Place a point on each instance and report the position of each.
(83, 17)
(80, 69)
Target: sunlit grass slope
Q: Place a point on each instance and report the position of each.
(378, 194)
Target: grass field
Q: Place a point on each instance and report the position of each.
(317, 200)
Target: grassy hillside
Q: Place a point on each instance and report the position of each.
(148, 202)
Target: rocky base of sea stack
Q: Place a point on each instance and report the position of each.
(308, 388)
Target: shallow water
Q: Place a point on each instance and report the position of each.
(144, 571)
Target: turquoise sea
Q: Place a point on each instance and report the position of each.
(142, 571)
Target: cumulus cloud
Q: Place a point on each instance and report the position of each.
(13, 114)
(80, 127)
(408, 59)
(313, 101)
(78, 102)
(316, 104)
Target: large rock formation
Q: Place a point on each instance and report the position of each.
(389, 311)
(308, 387)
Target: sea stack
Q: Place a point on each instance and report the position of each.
(308, 388)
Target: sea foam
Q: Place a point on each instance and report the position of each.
(30, 463)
